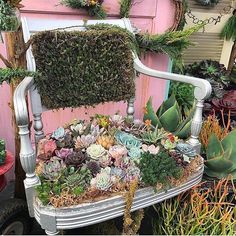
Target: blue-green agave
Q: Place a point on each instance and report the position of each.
(169, 117)
(221, 156)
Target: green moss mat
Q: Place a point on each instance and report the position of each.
(83, 67)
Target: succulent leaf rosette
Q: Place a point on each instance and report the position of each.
(169, 117)
(96, 151)
(221, 156)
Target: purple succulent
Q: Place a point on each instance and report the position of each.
(64, 152)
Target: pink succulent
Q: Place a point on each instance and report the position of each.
(152, 149)
(49, 147)
(45, 148)
(118, 152)
(64, 152)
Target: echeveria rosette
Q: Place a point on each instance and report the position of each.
(221, 156)
(117, 172)
(103, 180)
(76, 158)
(150, 148)
(46, 148)
(64, 152)
(53, 169)
(84, 141)
(58, 133)
(135, 153)
(186, 149)
(96, 151)
(132, 173)
(118, 153)
(128, 140)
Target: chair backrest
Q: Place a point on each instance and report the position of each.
(32, 26)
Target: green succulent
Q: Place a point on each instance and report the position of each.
(157, 168)
(80, 178)
(128, 140)
(153, 136)
(221, 156)
(169, 117)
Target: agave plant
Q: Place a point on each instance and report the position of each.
(221, 156)
(169, 117)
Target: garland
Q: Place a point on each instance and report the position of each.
(76, 67)
(93, 7)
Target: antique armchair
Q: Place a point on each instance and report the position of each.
(52, 219)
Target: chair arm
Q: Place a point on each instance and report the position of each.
(202, 91)
(27, 153)
(202, 87)
(20, 104)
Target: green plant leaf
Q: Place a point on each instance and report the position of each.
(166, 105)
(211, 173)
(214, 148)
(151, 115)
(229, 142)
(184, 131)
(219, 164)
(170, 119)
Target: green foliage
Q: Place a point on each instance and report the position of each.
(125, 6)
(8, 74)
(2, 151)
(200, 211)
(153, 136)
(184, 94)
(8, 19)
(171, 43)
(228, 32)
(93, 7)
(158, 168)
(169, 117)
(221, 156)
(76, 66)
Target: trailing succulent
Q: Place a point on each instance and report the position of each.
(169, 117)
(221, 156)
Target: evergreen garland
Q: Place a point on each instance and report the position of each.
(8, 74)
(93, 7)
(125, 6)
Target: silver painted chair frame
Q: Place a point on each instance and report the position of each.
(52, 219)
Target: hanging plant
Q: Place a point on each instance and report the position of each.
(9, 15)
(93, 7)
(210, 3)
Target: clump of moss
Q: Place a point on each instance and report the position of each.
(158, 168)
(78, 66)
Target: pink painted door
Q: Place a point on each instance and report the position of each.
(154, 16)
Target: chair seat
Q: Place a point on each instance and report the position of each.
(86, 214)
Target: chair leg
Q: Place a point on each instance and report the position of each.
(130, 108)
(52, 233)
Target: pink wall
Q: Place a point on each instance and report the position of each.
(154, 16)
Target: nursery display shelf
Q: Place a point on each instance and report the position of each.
(86, 214)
